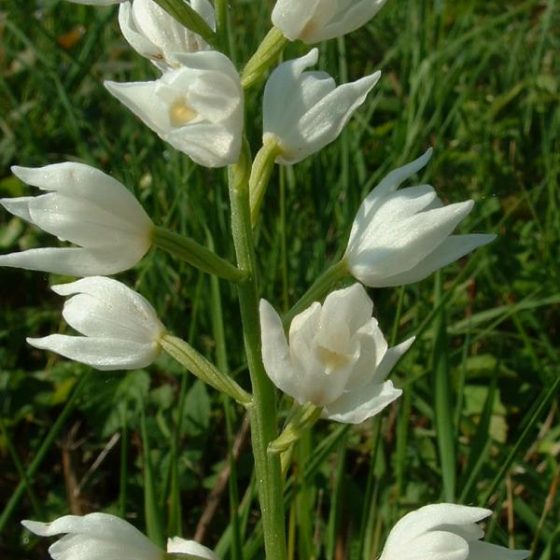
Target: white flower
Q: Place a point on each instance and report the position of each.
(337, 357)
(86, 207)
(121, 329)
(197, 108)
(100, 536)
(444, 532)
(157, 35)
(313, 21)
(399, 237)
(305, 111)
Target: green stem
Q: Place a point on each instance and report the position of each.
(266, 54)
(197, 364)
(319, 289)
(195, 254)
(263, 412)
(221, 11)
(261, 172)
(303, 419)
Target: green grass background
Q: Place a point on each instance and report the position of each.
(478, 423)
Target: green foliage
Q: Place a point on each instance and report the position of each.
(477, 80)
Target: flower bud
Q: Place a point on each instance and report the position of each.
(444, 532)
(337, 357)
(313, 21)
(400, 237)
(121, 329)
(84, 206)
(305, 111)
(157, 35)
(97, 536)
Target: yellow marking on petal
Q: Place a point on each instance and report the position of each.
(332, 360)
(181, 113)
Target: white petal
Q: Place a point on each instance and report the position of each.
(72, 261)
(353, 17)
(390, 183)
(314, 382)
(83, 223)
(208, 61)
(391, 357)
(284, 100)
(105, 354)
(350, 306)
(192, 548)
(18, 206)
(433, 517)
(81, 181)
(356, 406)
(412, 240)
(322, 124)
(141, 99)
(125, 312)
(435, 545)
(138, 41)
(291, 16)
(452, 249)
(105, 533)
(211, 145)
(275, 351)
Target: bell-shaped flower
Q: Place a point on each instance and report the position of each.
(101, 536)
(157, 35)
(336, 359)
(84, 206)
(313, 21)
(305, 111)
(121, 329)
(402, 236)
(197, 108)
(444, 532)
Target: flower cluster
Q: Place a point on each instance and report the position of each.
(332, 358)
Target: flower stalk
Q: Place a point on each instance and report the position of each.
(303, 418)
(195, 254)
(197, 364)
(263, 411)
(260, 174)
(265, 55)
(318, 289)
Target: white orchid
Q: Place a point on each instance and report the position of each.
(197, 108)
(121, 329)
(444, 532)
(86, 207)
(402, 236)
(157, 35)
(305, 111)
(336, 359)
(101, 536)
(313, 21)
